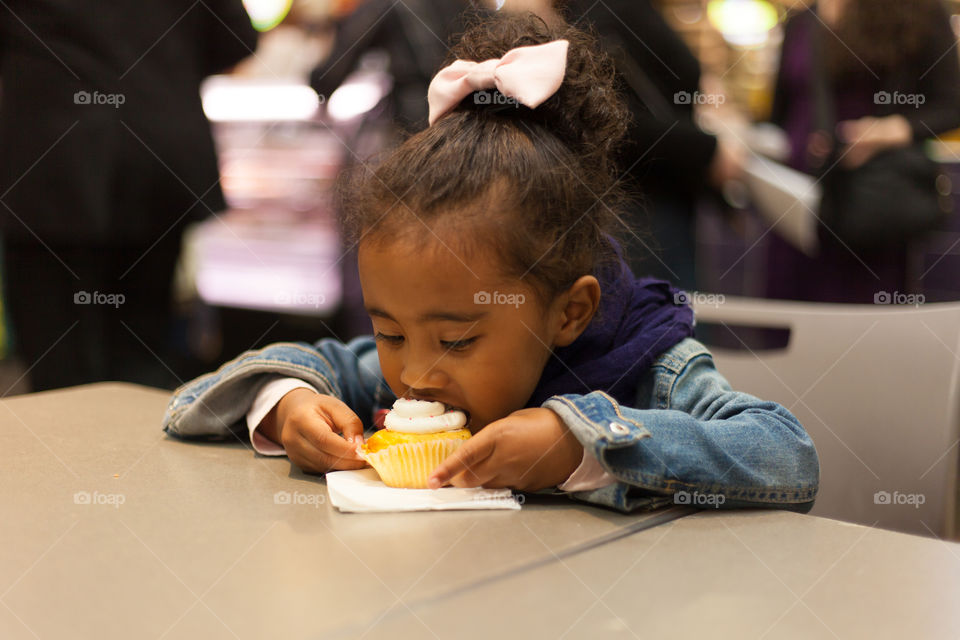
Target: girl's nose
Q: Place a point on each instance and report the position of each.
(421, 374)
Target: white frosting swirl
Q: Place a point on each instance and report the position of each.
(422, 416)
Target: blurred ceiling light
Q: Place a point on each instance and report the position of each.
(743, 23)
(266, 14)
(359, 93)
(229, 99)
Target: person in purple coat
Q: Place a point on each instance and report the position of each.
(893, 70)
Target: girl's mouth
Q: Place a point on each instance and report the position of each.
(450, 407)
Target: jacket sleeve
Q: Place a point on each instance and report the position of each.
(229, 35)
(637, 36)
(361, 30)
(700, 443)
(213, 406)
(778, 108)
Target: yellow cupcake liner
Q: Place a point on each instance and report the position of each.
(408, 465)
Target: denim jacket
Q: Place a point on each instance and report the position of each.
(689, 439)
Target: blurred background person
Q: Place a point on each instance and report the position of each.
(106, 156)
(868, 47)
(413, 35)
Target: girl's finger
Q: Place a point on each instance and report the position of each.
(306, 456)
(468, 458)
(322, 438)
(478, 477)
(312, 457)
(495, 481)
(343, 419)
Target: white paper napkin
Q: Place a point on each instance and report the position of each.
(363, 491)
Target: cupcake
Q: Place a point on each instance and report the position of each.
(416, 437)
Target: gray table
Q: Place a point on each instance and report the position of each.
(713, 575)
(111, 529)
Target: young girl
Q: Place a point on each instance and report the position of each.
(491, 274)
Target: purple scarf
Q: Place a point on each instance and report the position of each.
(639, 319)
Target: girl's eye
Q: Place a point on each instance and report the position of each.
(392, 340)
(457, 345)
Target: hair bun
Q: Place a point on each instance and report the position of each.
(587, 113)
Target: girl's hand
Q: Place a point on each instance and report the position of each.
(307, 424)
(866, 137)
(528, 450)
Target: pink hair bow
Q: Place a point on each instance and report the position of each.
(529, 75)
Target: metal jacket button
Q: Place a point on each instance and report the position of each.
(619, 429)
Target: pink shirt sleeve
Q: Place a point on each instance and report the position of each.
(588, 476)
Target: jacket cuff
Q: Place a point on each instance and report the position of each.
(214, 405)
(598, 424)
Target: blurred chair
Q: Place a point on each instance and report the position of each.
(878, 390)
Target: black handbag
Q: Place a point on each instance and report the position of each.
(896, 196)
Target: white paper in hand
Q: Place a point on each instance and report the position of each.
(363, 491)
(787, 199)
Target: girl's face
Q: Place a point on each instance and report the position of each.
(451, 329)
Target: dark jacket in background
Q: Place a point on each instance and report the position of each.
(414, 34)
(666, 155)
(656, 65)
(75, 172)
